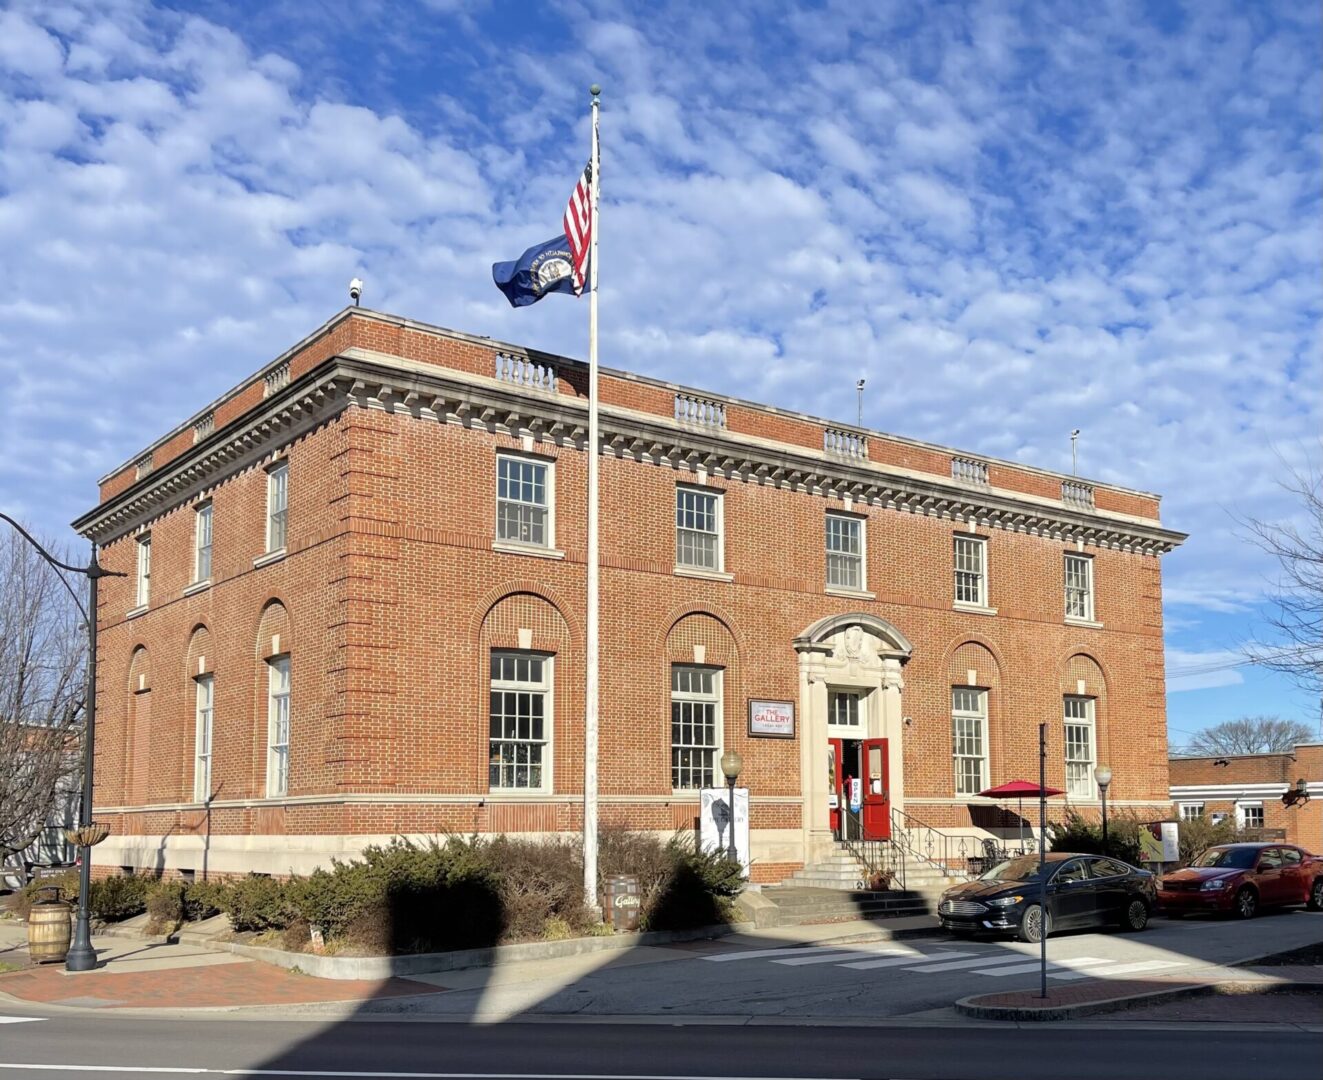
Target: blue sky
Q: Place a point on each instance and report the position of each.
(1014, 220)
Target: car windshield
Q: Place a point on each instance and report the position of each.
(1229, 858)
(1024, 868)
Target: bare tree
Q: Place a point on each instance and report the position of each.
(1297, 545)
(43, 650)
(1249, 735)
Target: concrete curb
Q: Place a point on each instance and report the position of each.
(969, 1006)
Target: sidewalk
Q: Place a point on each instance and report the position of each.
(1093, 996)
(138, 974)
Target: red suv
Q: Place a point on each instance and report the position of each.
(1241, 878)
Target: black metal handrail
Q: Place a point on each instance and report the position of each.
(947, 853)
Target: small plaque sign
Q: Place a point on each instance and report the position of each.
(771, 719)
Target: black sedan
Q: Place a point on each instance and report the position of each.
(1082, 890)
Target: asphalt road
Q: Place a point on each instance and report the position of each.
(848, 983)
(76, 1048)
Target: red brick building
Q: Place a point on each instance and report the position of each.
(355, 609)
(1248, 789)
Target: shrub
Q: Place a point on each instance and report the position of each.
(117, 898)
(204, 899)
(699, 890)
(32, 892)
(257, 903)
(1077, 834)
(1199, 834)
(538, 881)
(555, 929)
(165, 905)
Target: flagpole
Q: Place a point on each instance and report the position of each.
(592, 689)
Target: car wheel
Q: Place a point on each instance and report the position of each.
(1315, 901)
(1247, 903)
(1031, 925)
(1135, 916)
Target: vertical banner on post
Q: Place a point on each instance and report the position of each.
(715, 824)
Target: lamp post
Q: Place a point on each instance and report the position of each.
(731, 763)
(81, 955)
(1103, 775)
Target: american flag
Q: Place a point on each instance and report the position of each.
(579, 226)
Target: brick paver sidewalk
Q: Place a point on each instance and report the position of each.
(245, 982)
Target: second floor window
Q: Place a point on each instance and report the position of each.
(205, 693)
(277, 506)
(522, 500)
(1079, 747)
(277, 711)
(970, 571)
(969, 722)
(1079, 587)
(202, 544)
(697, 529)
(845, 552)
(144, 578)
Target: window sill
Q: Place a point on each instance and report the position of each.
(506, 795)
(1090, 623)
(197, 587)
(974, 609)
(511, 547)
(141, 609)
(857, 594)
(706, 575)
(269, 558)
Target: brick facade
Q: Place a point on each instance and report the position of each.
(1228, 785)
(391, 594)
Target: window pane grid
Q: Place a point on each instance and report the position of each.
(202, 564)
(968, 747)
(1079, 746)
(695, 708)
(1079, 587)
(278, 721)
(144, 570)
(1251, 817)
(696, 529)
(843, 709)
(521, 501)
(968, 570)
(277, 495)
(517, 732)
(202, 768)
(844, 552)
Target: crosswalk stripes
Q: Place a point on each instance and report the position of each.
(901, 957)
(20, 1019)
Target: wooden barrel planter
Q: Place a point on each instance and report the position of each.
(49, 927)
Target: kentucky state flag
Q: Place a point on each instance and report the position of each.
(544, 268)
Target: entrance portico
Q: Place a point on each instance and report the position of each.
(850, 688)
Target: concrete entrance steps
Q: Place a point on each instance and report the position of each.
(798, 905)
(842, 871)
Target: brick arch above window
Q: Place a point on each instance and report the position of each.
(528, 587)
(977, 657)
(275, 635)
(1082, 668)
(200, 660)
(525, 620)
(139, 678)
(700, 634)
(716, 614)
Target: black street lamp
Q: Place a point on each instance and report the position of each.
(81, 955)
(731, 763)
(1103, 775)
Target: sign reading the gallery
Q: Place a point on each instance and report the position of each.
(771, 719)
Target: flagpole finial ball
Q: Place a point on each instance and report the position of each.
(595, 90)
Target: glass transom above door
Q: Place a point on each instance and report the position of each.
(845, 711)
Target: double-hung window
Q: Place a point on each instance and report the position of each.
(845, 552)
(969, 739)
(697, 528)
(144, 578)
(1079, 747)
(1079, 587)
(520, 716)
(202, 543)
(695, 726)
(971, 579)
(1192, 811)
(523, 498)
(277, 506)
(277, 712)
(204, 697)
(1249, 815)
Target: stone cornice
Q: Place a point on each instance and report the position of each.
(372, 380)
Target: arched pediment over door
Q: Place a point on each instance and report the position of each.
(892, 644)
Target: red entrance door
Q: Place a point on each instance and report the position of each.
(877, 790)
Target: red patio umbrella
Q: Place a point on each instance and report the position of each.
(1018, 789)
